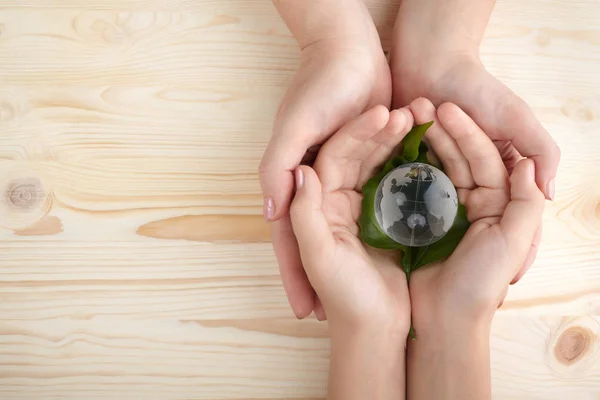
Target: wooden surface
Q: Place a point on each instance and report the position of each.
(134, 262)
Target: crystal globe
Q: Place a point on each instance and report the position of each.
(415, 204)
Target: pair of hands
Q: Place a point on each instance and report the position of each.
(360, 286)
(342, 75)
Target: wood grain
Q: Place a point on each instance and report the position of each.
(133, 259)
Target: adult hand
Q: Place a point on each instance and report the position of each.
(340, 76)
(436, 55)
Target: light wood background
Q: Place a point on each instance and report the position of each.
(134, 262)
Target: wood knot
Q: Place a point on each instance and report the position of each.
(24, 200)
(24, 195)
(572, 345)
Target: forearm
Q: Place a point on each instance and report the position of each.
(455, 24)
(367, 366)
(450, 363)
(327, 20)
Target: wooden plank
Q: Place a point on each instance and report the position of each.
(133, 259)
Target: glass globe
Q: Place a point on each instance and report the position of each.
(415, 204)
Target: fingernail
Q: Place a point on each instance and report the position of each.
(550, 189)
(299, 178)
(269, 209)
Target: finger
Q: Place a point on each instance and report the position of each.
(533, 250)
(315, 240)
(484, 202)
(443, 145)
(319, 310)
(298, 289)
(506, 116)
(276, 172)
(399, 124)
(510, 156)
(531, 140)
(338, 163)
(524, 212)
(486, 165)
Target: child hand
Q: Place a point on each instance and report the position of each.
(358, 286)
(504, 212)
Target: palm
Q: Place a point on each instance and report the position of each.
(372, 275)
(480, 268)
(360, 280)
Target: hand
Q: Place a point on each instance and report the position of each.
(435, 55)
(358, 286)
(504, 216)
(363, 291)
(338, 79)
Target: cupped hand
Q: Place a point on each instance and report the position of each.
(438, 66)
(356, 284)
(337, 81)
(504, 212)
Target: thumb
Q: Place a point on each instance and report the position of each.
(523, 214)
(309, 223)
(276, 173)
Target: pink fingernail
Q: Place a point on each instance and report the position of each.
(269, 209)
(299, 178)
(550, 189)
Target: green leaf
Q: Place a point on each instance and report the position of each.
(406, 261)
(422, 158)
(370, 232)
(392, 163)
(413, 257)
(442, 249)
(412, 142)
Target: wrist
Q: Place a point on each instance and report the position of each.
(444, 322)
(450, 360)
(434, 38)
(426, 63)
(390, 336)
(456, 25)
(367, 364)
(439, 303)
(321, 23)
